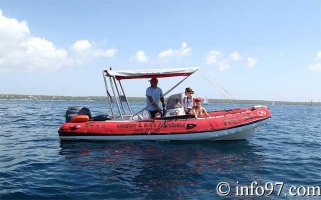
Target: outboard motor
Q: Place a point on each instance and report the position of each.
(77, 110)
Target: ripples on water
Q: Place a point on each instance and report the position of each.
(36, 165)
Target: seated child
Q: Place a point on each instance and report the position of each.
(198, 110)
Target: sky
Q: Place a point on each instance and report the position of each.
(258, 50)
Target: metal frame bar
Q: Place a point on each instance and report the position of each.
(120, 102)
(109, 97)
(121, 87)
(116, 97)
(175, 86)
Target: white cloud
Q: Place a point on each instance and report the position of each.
(223, 65)
(140, 57)
(213, 57)
(217, 58)
(184, 51)
(42, 54)
(235, 57)
(20, 50)
(251, 62)
(105, 53)
(82, 45)
(89, 49)
(316, 66)
(11, 28)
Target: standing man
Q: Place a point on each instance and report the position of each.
(153, 95)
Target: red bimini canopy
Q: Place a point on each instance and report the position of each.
(150, 73)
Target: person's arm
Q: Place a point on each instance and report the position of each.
(162, 98)
(184, 105)
(193, 112)
(152, 102)
(204, 110)
(163, 103)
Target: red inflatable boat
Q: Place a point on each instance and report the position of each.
(235, 124)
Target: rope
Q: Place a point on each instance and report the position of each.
(221, 91)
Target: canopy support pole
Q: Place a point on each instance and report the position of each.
(121, 87)
(109, 97)
(119, 98)
(116, 97)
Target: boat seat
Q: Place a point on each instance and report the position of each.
(172, 101)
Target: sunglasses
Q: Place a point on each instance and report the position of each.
(197, 101)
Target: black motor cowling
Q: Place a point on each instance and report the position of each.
(77, 110)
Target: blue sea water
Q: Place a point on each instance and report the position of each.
(35, 164)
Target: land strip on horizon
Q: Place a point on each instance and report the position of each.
(141, 99)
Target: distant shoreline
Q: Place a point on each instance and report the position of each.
(142, 99)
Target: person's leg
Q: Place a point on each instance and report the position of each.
(153, 113)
